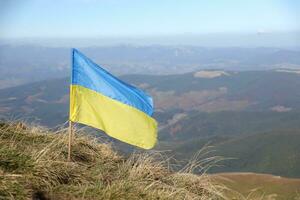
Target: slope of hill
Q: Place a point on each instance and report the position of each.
(275, 152)
(261, 186)
(33, 166)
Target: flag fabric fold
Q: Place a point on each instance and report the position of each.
(100, 100)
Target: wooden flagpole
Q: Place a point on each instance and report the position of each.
(70, 122)
(70, 140)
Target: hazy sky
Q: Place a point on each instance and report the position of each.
(96, 18)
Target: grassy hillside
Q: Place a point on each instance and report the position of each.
(33, 165)
(261, 186)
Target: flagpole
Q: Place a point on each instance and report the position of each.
(70, 140)
(70, 130)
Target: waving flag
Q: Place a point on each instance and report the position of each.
(100, 100)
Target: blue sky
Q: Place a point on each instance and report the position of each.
(118, 18)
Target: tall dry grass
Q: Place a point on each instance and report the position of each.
(33, 165)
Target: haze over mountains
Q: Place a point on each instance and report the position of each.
(252, 116)
(24, 64)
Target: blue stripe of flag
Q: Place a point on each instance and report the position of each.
(88, 74)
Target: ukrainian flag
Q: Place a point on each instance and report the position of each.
(100, 100)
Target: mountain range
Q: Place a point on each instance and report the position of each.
(21, 64)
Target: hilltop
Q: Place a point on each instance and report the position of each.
(33, 165)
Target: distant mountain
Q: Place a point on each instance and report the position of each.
(24, 64)
(228, 90)
(252, 116)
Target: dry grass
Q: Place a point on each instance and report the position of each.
(33, 166)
